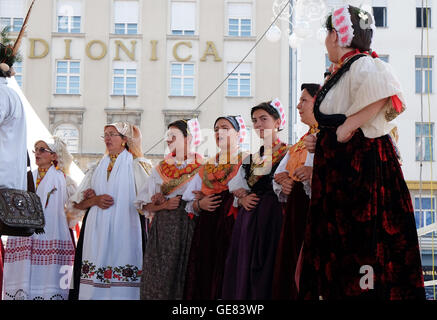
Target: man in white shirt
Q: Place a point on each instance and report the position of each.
(13, 144)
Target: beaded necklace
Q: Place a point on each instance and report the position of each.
(41, 174)
(112, 158)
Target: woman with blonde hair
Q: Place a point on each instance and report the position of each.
(109, 254)
(39, 267)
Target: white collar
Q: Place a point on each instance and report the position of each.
(3, 80)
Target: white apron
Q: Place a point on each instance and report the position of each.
(112, 247)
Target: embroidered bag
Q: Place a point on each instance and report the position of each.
(21, 212)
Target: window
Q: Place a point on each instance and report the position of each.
(69, 16)
(183, 18)
(239, 80)
(380, 15)
(423, 74)
(18, 67)
(67, 77)
(423, 15)
(124, 78)
(126, 17)
(12, 14)
(70, 135)
(239, 20)
(182, 79)
(424, 141)
(424, 211)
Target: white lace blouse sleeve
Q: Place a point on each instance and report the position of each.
(150, 187)
(373, 80)
(309, 160)
(142, 170)
(239, 181)
(282, 167)
(277, 188)
(194, 185)
(74, 215)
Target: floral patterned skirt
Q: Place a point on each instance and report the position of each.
(166, 255)
(361, 239)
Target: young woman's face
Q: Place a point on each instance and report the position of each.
(43, 155)
(264, 123)
(114, 140)
(331, 45)
(226, 137)
(306, 108)
(176, 141)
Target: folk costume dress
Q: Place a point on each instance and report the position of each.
(13, 145)
(361, 212)
(109, 255)
(169, 239)
(251, 257)
(294, 221)
(39, 267)
(212, 234)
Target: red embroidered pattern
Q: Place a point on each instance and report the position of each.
(40, 252)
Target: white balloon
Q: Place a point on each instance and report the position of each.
(302, 29)
(294, 41)
(274, 34)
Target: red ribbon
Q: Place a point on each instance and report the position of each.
(233, 211)
(397, 103)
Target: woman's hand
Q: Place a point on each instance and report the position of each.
(344, 134)
(240, 193)
(310, 143)
(249, 202)
(287, 186)
(281, 177)
(303, 173)
(158, 199)
(88, 194)
(210, 203)
(198, 195)
(103, 201)
(173, 203)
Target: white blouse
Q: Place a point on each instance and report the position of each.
(277, 188)
(196, 185)
(152, 186)
(367, 81)
(141, 168)
(13, 139)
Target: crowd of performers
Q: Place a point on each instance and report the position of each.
(285, 222)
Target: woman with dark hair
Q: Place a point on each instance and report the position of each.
(208, 197)
(250, 261)
(169, 240)
(109, 254)
(293, 186)
(361, 240)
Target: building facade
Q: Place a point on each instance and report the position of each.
(89, 63)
